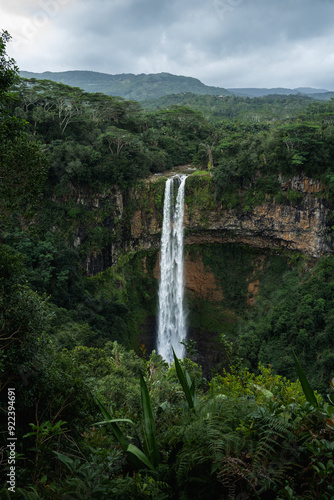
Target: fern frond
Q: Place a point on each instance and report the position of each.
(232, 473)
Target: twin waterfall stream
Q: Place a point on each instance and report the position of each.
(171, 322)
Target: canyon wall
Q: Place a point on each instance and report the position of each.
(301, 225)
(133, 220)
(228, 252)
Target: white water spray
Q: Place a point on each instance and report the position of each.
(172, 324)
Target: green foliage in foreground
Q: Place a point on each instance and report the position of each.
(246, 435)
(241, 434)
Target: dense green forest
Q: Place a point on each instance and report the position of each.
(98, 415)
(220, 108)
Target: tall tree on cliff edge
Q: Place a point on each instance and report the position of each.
(22, 165)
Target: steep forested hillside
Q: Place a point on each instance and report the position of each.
(98, 414)
(129, 86)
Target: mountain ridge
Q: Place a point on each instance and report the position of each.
(128, 85)
(150, 86)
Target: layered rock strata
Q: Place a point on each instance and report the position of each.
(301, 226)
(134, 222)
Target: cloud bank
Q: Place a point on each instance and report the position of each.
(227, 43)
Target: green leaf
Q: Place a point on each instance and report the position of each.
(63, 458)
(116, 430)
(329, 409)
(189, 392)
(114, 420)
(151, 445)
(193, 393)
(331, 398)
(133, 450)
(123, 441)
(309, 394)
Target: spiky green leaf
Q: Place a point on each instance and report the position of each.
(138, 454)
(150, 436)
(309, 394)
(188, 388)
(116, 430)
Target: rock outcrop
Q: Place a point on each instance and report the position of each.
(301, 225)
(133, 220)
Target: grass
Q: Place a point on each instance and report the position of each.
(201, 173)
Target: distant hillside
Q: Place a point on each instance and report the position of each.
(218, 108)
(259, 92)
(152, 86)
(133, 87)
(323, 96)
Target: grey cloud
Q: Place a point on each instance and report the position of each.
(220, 41)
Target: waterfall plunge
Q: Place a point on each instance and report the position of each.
(172, 325)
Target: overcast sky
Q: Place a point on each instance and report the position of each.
(226, 43)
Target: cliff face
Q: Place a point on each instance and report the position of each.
(133, 220)
(301, 225)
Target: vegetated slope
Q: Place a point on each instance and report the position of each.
(258, 92)
(217, 108)
(150, 86)
(324, 96)
(129, 86)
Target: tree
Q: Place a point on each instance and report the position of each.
(117, 138)
(8, 69)
(207, 150)
(69, 104)
(22, 165)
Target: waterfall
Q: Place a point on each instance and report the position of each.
(171, 324)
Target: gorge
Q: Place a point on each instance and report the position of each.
(135, 223)
(247, 237)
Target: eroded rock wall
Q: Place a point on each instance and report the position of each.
(301, 225)
(133, 220)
